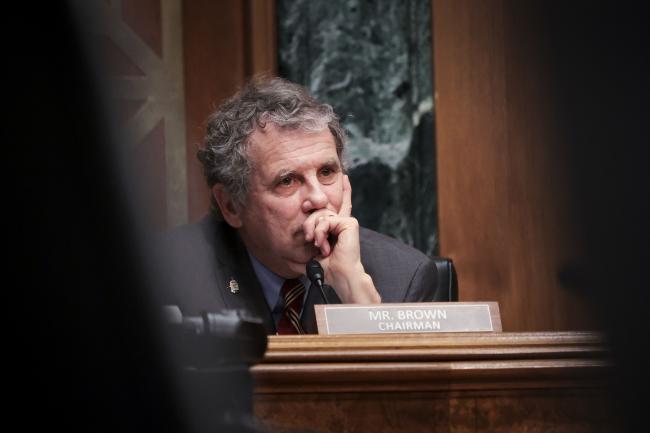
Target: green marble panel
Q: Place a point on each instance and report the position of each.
(371, 60)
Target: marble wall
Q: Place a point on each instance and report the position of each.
(371, 60)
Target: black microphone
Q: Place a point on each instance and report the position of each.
(316, 276)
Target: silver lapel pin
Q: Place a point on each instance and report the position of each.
(234, 286)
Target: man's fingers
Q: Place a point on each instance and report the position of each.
(346, 204)
(321, 235)
(310, 224)
(312, 221)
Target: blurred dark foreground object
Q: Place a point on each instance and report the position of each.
(91, 356)
(214, 352)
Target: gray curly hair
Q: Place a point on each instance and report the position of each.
(262, 100)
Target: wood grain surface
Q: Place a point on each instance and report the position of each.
(506, 217)
(435, 382)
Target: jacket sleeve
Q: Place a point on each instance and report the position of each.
(424, 285)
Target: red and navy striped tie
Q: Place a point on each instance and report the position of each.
(292, 292)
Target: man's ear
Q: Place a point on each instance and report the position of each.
(228, 209)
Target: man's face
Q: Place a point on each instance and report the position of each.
(294, 174)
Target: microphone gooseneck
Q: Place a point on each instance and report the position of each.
(316, 276)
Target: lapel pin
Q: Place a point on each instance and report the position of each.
(234, 286)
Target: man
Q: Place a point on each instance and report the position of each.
(273, 160)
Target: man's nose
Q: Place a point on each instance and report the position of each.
(315, 197)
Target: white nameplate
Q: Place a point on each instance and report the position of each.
(408, 318)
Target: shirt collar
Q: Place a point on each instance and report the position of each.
(271, 282)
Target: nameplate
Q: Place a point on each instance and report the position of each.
(408, 318)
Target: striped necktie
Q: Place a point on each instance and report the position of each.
(292, 292)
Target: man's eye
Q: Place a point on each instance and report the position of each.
(285, 181)
(326, 172)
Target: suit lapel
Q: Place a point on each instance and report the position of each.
(235, 277)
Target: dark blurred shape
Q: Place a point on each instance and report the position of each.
(214, 352)
(213, 340)
(601, 53)
(89, 350)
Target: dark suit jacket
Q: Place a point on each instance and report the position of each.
(204, 257)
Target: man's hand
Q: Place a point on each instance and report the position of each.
(337, 237)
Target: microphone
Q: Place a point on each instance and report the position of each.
(316, 276)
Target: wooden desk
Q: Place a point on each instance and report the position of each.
(483, 382)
